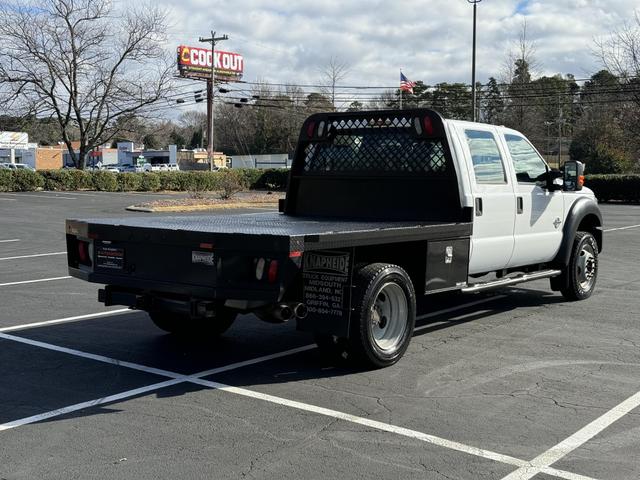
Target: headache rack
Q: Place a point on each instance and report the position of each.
(393, 165)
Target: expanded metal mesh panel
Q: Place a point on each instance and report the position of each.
(372, 122)
(374, 146)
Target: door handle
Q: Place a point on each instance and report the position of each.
(519, 205)
(478, 207)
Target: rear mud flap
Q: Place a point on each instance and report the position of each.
(327, 279)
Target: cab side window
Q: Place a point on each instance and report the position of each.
(487, 162)
(526, 161)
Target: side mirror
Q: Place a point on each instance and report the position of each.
(573, 176)
(554, 180)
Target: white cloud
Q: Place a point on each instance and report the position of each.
(285, 41)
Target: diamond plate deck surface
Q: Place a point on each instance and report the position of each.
(260, 224)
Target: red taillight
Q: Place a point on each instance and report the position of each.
(83, 252)
(581, 181)
(272, 274)
(310, 128)
(428, 126)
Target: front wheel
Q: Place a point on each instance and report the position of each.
(579, 277)
(181, 324)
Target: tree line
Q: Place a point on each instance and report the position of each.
(107, 84)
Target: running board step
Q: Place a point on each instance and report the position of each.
(504, 282)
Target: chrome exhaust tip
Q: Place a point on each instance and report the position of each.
(283, 312)
(301, 311)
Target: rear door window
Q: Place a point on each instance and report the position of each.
(485, 154)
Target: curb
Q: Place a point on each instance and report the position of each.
(133, 208)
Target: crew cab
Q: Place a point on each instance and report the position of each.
(381, 207)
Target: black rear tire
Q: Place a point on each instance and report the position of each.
(382, 321)
(579, 278)
(181, 324)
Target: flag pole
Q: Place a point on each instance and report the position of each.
(400, 90)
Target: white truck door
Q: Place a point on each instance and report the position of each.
(539, 213)
(494, 199)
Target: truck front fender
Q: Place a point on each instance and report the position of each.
(584, 215)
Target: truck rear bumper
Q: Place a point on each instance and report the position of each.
(140, 300)
(134, 284)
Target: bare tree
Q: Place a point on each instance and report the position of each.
(335, 71)
(519, 69)
(82, 63)
(620, 54)
(521, 51)
(620, 51)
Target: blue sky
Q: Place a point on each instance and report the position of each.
(285, 41)
(521, 7)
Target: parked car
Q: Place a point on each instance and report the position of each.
(17, 166)
(128, 168)
(112, 169)
(160, 167)
(155, 167)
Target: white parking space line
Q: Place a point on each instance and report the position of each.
(9, 199)
(253, 361)
(65, 320)
(576, 440)
(33, 256)
(621, 228)
(34, 281)
(89, 404)
(11, 240)
(91, 356)
(405, 432)
(38, 195)
(177, 378)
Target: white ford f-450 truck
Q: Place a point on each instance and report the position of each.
(381, 207)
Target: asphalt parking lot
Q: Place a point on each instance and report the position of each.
(516, 384)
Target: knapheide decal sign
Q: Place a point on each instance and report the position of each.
(196, 62)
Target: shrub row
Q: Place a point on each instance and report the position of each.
(65, 180)
(625, 188)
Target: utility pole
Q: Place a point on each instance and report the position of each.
(473, 61)
(560, 122)
(211, 84)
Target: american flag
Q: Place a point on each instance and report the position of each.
(406, 85)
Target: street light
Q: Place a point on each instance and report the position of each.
(473, 62)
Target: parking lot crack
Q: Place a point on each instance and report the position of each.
(379, 400)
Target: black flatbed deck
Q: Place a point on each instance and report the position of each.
(272, 231)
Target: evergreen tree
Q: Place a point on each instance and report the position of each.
(493, 103)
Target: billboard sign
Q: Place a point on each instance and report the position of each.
(16, 140)
(195, 62)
